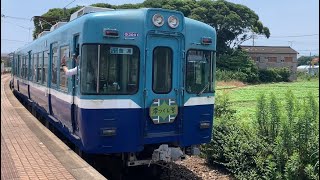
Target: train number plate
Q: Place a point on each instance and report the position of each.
(121, 50)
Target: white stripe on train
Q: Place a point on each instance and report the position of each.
(112, 103)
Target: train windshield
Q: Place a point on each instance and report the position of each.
(109, 69)
(199, 71)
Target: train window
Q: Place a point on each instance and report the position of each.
(199, 70)
(18, 66)
(35, 65)
(45, 67)
(13, 65)
(118, 69)
(54, 64)
(26, 71)
(21, 67)
(31, 72)
(39, 71)
(89, 69)
(64, 51)
(162, 70)
(25, 67)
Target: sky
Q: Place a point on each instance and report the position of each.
(292, 23)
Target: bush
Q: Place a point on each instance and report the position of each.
(234, 143)
(307, 76)
(274, 75)
(280, 145)
(284, 73)
(225, 75)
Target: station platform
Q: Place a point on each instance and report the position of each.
(31, 151)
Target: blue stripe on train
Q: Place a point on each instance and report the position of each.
(193, 115)
(130, 132)
(127, 123)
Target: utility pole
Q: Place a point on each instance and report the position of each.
(253, 36)
(253, 40)
(310, 59)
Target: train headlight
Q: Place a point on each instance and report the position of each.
(173, 21)
(158, 20)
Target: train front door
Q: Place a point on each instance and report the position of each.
(162, 97)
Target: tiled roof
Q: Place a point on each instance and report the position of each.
(269, 49)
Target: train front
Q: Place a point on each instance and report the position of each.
(146, 85)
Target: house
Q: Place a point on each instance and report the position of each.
(274, 57)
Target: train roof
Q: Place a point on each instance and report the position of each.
(119, 14)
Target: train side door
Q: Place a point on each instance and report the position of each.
(162, 100)
(46, 80)
(30, 64)
(53, 75)
(18, 71)
(75, 82)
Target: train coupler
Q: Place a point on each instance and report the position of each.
(167, 154)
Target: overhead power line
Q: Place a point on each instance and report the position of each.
(13, 40)
(12, 17)
(18, 25)
(293, 36)
(69, 3)
(309, 50)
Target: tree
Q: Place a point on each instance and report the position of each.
(45, 21)
(239, 61)
(305, 60)
(103, 5)
(235, 24)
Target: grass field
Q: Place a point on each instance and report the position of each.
(244, 97)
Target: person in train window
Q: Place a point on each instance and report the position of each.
(73, 71)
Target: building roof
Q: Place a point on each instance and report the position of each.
(269, 49)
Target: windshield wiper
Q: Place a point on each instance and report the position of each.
(207, 85)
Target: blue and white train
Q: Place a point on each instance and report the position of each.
(144, 88)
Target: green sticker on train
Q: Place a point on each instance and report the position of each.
(163, 111)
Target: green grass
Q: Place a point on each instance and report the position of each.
(244, 99)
